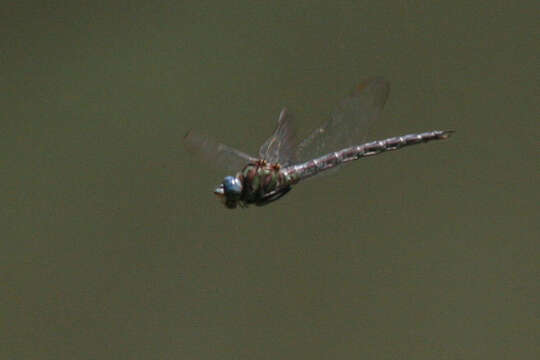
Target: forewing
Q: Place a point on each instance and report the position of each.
(280, 147)
(349, 122)
(219, 155)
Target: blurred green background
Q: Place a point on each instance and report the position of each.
(114, 247)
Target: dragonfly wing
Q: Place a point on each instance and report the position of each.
(219, 155)
(280, 147)
(349, 122)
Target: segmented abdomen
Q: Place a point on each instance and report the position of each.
(295, 173)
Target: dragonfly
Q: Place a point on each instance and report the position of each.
(283, 161)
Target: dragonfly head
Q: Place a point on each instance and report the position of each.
(230, 191)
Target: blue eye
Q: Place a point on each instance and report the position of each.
(232, 187)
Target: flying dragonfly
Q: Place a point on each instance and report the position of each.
(283, 161)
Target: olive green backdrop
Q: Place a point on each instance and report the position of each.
(114, 247)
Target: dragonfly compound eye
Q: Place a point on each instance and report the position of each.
(232, 188)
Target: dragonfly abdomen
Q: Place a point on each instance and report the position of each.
(295, 173)
(395, 143)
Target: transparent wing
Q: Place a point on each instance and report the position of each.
(280, 147)
(219, 155)
(349, 122)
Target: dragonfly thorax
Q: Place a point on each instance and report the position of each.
(258, 183)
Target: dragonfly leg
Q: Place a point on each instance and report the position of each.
(273, 196)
